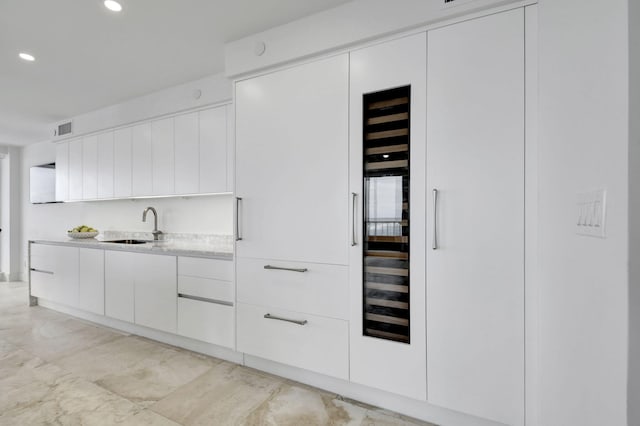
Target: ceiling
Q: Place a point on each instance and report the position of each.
(88, 57)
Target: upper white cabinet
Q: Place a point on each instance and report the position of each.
(89, 168)
(387, 179)
(122, 162)
(75, 169)
(142, 177)
(214, 147)
(292, 163)
(187, 154)
(162, 157)
(475, 270)
(105, 165)
(179, 155)
(62, 171)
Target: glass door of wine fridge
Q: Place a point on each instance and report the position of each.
(386, 174)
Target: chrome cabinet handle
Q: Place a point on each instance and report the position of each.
(273, 317)
(354, 226)
(435, 219)
(41, 271)
(205, 299)
(238, 236)
(279, 268)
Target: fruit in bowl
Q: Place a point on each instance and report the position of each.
(82, 231)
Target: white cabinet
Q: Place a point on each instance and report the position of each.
(155, 291)
(54, 273)
(90, 168)
(206, 296)
(105, 165)
(387, 333)
(162, 156)
(213, 158)
(292, 175)
(122, 156)
(91, 280)
(475, 160)
(292, 163)
(142, 180)
(187, 154)
(75, 169)
(119, 281)
(62, 171)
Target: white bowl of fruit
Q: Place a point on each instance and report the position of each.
(82, 231)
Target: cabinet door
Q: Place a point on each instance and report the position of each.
(213, 150)
(75, 169)
(187, 154)
(387, 277)
(475, 161)
(119, 279)
(91, 281)
(122, 154)
(62, 171)
(141, 160)
(105, 165)
(156, 292)
(162, 155)
(65, 264)
(292, 163)
(90, 168)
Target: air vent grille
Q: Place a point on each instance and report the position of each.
(63, 129)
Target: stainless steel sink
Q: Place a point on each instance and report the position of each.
(127, 241)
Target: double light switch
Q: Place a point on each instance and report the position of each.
(591, 213)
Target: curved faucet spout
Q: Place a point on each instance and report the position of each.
(155, 231)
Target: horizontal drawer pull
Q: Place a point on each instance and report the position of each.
(273, 317)
(278, 268)
(42, 271)
(205, 299)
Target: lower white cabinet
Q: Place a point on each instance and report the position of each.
(155, 291)
(206, 321)
(54, 273)
(91, 280)
(302, 340)
(119, 279)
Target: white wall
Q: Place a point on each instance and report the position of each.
(634, 214)
(10, 218)
(583, 144)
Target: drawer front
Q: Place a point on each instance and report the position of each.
(42, 284)
(209, 322)
(206, 268)
(207, 288)
(321, 290)
(43, 257)
(320, 345)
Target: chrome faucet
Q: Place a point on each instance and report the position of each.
(155, 231)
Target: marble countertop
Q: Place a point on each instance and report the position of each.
(215, 247)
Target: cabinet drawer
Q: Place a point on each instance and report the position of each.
(320, 290)
(42, 284)
(43, 257)
(209, 322)
(320, 345)
(207, 288)
(206, 268)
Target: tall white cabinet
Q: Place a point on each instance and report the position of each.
(392, 298)
(292, 181)
(475, 260)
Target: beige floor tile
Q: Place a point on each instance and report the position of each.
(148, 418)
(226, 395)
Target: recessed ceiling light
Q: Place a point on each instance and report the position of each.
(113, 5)
(26, 57)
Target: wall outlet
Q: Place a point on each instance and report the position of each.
(591, 213)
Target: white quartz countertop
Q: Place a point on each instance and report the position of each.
(216, 248)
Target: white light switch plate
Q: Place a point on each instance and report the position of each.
(591, 213)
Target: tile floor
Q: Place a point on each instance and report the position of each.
(55, 369)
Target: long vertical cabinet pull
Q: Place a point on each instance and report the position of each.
(435, 219)
(354, 223)
(238, 236)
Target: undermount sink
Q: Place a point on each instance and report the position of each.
(127, 241)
